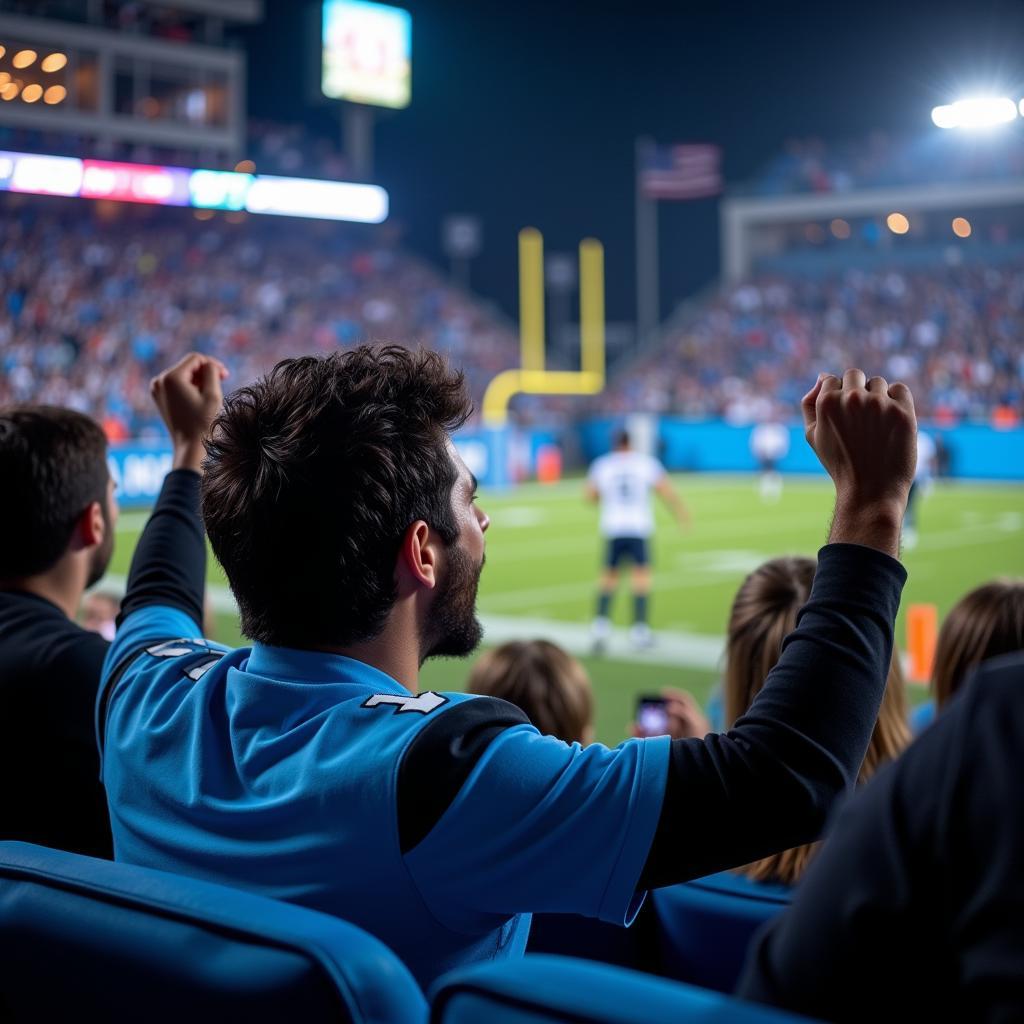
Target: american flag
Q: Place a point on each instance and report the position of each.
(681, 172)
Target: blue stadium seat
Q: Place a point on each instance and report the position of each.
(89, 939)
(554, 988)
(705, 926)
(921, 717)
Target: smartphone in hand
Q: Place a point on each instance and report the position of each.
(651, 715)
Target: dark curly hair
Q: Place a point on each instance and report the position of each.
(312, 476)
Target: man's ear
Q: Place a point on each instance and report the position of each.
(419, 555)
(91, 527)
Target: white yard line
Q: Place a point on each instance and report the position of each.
(672, 649)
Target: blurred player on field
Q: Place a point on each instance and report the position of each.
(769, 444)
(622, 482)
(924, 477)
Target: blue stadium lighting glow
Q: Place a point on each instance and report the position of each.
(157, 185)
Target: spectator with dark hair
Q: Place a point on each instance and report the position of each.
(57, 522)
(914, 902)
(310, 768)
(983, 624)
(764, 612)
(544, 681)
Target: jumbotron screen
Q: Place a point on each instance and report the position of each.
(367, 53)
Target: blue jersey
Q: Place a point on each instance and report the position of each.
(287, 772)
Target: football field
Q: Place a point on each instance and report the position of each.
(543, 555)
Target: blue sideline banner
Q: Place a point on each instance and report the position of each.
(497, 457)
(972, 450)
(138, 471)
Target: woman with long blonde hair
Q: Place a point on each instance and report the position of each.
(764, 611)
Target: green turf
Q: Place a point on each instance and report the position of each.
(543, 554)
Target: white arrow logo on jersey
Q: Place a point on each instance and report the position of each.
(175, 648)
(424, 703)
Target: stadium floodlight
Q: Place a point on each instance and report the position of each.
(977, 112)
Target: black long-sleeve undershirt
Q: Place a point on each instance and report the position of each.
(169, 564)
(766, 785)
(770, 781)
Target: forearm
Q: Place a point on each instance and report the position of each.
(169, 564)
(679, 509)
(769, 782)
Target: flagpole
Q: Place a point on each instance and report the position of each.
(648, 302)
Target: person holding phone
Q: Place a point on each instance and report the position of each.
(672, 712)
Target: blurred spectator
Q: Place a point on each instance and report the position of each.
(544, 681)
(983, 624)
(99, 612)
(912, 904)
(764, 612)
(58, 528)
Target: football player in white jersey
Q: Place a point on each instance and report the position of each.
(769, 444)
(923, 478)
(622, 482)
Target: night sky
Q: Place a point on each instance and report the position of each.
(526, 112)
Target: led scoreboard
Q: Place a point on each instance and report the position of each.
(367, 53)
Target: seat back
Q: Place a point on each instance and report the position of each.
(88, 938)
(705, 926)
(553, 988)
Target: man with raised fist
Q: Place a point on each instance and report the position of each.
(310, 768)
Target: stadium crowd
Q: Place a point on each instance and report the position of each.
(952, 333)
(348, 527)
(93, 307)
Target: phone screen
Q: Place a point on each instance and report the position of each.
(651, 716)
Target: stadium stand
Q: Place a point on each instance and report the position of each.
(97, 299)
(814, 165)
(952, 333)
(87, 938)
